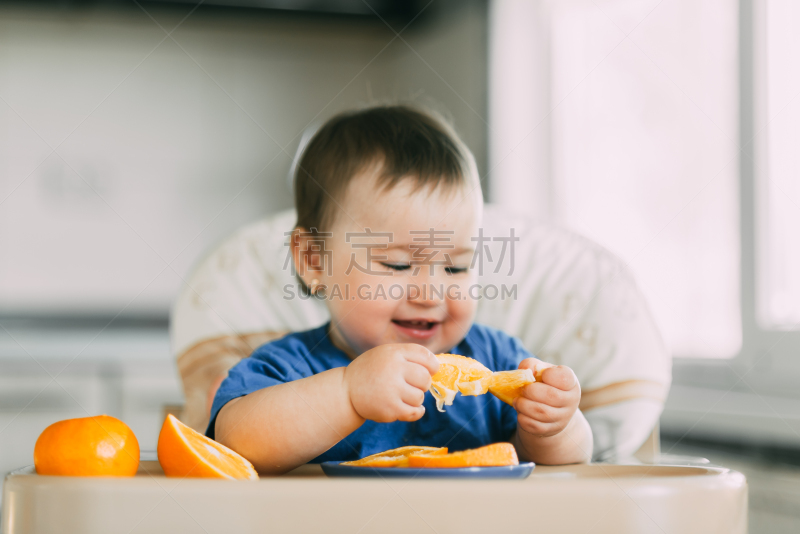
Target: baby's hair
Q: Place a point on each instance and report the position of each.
(402, 142)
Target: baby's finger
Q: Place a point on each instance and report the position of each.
(417, 376)
(412, 396)
(411, 413)
(541, 392)
(537, 428)
(561, 377)
(536, 365)
(538, 411)
(421, 355)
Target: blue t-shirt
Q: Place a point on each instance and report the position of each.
(470, 422)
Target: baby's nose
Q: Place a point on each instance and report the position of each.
(426, 292)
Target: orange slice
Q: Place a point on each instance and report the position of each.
(395, 457)
(495, 454)
(458, 374)
(507, 385)
(184, 452)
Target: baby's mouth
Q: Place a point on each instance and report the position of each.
(416, 325)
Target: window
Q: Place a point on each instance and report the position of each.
(779, 179)
(668, 131)
(630, 137)
(624, 121)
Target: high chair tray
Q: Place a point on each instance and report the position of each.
(336, 469)
(595, 498)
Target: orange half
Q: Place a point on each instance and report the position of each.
(184, 452)
(496, 454)
(395, 457)
(458, 374)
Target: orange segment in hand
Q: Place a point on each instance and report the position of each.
(458, 373)
(496, 454)
(184, 452)
(470, 377)
(87, 447)
(507, 385)
(395, 457)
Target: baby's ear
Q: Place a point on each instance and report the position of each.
(309, 252)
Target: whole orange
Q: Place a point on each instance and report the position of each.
(87, 447)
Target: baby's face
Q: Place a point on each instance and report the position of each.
(408, 282)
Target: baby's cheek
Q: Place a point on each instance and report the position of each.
(462, 307)
(461, 315)
(363, 321)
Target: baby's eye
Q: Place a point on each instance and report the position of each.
(396, 266)
(455, 270)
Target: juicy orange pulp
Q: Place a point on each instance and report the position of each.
(507, 385)
(458, 373)
(184, 452)
(470, 377)
(87, 447)
(496, 454)
(395, 457)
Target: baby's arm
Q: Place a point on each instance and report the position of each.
(550, 428)
(281, 427)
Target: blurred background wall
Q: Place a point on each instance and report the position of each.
(134, 136)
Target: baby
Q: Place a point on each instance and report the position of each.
(388, 201)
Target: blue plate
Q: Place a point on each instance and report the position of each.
(335, 469)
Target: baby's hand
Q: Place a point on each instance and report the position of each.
(388, 383)
(546, 407)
